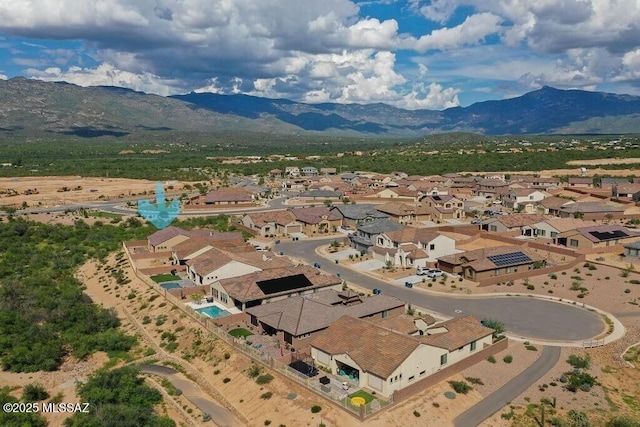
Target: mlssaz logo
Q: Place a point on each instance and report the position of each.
(160, 214)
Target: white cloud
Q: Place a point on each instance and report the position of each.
(473, 30)
(3, 77)
(108, 75)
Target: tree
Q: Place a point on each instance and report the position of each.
(578, 419)
(578, 215)
(497, 326)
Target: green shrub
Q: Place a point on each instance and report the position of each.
(226, 380)
(491, 359)
(579, 362)
(460, 387)
(507, 359)
(474, 380)
(254, 371)
(34, 393)
(267, 422)
(530, 287)
(531, 347)
(264, 379)
(227, 355)
(266, 395)
(315, 409)
(627, 291)
(634, 281)
(416, 414)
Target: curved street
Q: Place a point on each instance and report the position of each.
(523, 316)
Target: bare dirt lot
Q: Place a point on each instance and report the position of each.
(595, 162)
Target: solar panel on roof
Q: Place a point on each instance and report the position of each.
(608, 235)
(282, 284)
(509, 259)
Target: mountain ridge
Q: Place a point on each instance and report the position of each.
(64, 108)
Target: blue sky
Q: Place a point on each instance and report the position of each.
(412, 54)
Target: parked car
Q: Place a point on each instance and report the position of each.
(435, 273)
(345, 227)
(317, 265)
(408, 284)
(476, 221)
(422, 271)
(376, 291)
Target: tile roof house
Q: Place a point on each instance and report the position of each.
(491, 263)
(261, 287)
(405, 213)
(632, 249)
(268, 223)
(515, 222)
(550, 227)
(229, 196)
(317, 219)
(580, 182)
(320, 195)
(631, 191)
(167, 238)
(413, 247)
(444, 206)
(383, 360)
(522, 197)
(597, 236)
(356, 214)
(295, 319)
(402, 193)
(365, 236)
(591, 210)
(194, 246)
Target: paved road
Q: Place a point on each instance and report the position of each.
(523, 316)
(505, 394)
(219, 415)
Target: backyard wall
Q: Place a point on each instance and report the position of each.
(431, 380)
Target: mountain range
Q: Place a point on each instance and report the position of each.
(62, 108)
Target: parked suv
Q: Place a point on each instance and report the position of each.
(422, 271)
(435, 273)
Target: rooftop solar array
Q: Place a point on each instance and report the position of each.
(608, 235)
(512, 258)
(281, 284)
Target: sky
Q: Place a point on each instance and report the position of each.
(413, 54)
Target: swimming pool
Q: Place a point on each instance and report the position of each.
(170, 285)
(213, 312)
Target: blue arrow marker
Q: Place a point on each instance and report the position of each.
(159, 214)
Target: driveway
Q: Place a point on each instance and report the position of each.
(523, 316)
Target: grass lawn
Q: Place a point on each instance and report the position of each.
(240, 332)
(101, 214)
(160, 278)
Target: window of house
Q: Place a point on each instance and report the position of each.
(432, 247)
(422, 373)
(223, 298)
(497, 272)
(385, 314)
(530, 197)
(412, 377)
(380, 241)
(390, 380)
(443, 359)
(493, 228)
(461, 348)
(553, 234)
(473, 345)
(214, 292)
(508, 270)
(303, 336)
(542, 232)
(573, 242)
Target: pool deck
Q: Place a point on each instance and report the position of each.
(199, 305)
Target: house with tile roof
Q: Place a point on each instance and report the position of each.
(490, 263)
(229, 196)
(523, 198)
(592, 211)
(401, 193)
(444, 206)
(294, 320)
(215, 264)
(320, 195)
(549, 228)
(167, 238)
(194, 246)
(597, 237)
(366, 234)
(318, 219)
(413, 247)
(272, 223)
(405, 213)
(626, 190)
(511, 223)
(383, 360)
(632, 249)
(356, 214)
(580, 182)
(271, 285)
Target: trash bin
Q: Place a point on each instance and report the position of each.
(337, 262)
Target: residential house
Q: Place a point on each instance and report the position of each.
(229, 196)
(294, 184)
(309, 171)
(492, 188)
(523, 199)
(328, 171)
(195, 246)
(443, 207)
(275, 173)
(581, 182)
(549, 228)
(167, 238)
(491, 263)
(630, 191)
(398, 193)
(261, 287)
(292, 171)
(355, 214)
(609, 183)
(320, 195)
(413, 247)
(509, 223)
(295, 320)
(365, 236)
(597, 237)
(632, 249)
(349, 178)
(319, 219)
(216, 264)
(383, 360)
(269, 223)
(591, 211)
(552, 205)
(537, 182)
(404, 213)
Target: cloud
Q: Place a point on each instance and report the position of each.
(3, 77)
(473, 30)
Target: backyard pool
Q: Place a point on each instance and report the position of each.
(213, 312)
(170, 285)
